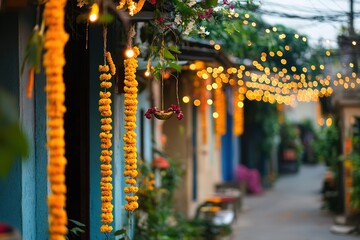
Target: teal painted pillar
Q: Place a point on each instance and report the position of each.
(28, 171)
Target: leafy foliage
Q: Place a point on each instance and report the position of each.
(13, 141)
(157, 218)
(76, 228)
(325, 146)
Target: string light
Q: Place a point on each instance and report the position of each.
(94, 13)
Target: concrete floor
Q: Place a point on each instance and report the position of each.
(289, 211)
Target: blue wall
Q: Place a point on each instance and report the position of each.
(230, 151)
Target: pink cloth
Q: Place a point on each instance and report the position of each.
(251, 177)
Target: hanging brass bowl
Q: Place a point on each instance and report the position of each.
(161, 115)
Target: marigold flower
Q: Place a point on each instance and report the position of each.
(105, 84)
(103, 68)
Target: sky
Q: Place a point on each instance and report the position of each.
(326, 32)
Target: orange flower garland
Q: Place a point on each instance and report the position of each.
(131, 102)
(105, 137)
(220, 109)
(54, 61)
(133, 7)
(238, 115)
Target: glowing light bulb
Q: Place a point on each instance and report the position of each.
(147, 73)
(186, 99)
(94, 13)
(129, 53)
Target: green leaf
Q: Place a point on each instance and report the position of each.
(106, 18)
(13, 141)
(120, 232)
(13, 144)
(168, 54)
(33, 50)
(210, 3)
(175, 66)
(174, 49)
(77, 223)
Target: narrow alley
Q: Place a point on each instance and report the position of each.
(289, 211)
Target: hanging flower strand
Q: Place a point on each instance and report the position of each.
(106, 143)
(129, 137)
(132, 6)
(54, 61)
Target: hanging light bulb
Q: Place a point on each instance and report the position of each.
(94, 13)
(129, 53)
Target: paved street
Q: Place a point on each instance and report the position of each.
(289, 211)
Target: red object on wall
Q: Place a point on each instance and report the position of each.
(160, 162)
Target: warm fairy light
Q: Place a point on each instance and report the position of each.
(147, 73)
(217, 47)
(274, 29)
(240, 104)
(283, 61)
(267, 30)
(353, 43)
(328, 122)
(245, 22)
(287, 47)
(94, 13)
(192, 66)
(304, 39)
(296, 35)
(328, 53)
(212, 42)
(197, 102)
(322, 67)
(279, 53)
(214, 85)
(253, 24)
(282, 36)
(186, 99)
(129, 53)
(247, 15)
(351, 65)
(215, 115)
(209, 87)
(209, 101)
(205, 76)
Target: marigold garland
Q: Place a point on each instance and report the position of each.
(133, 7)
(220, 109)
(54, 61)
(238, 114)
(105, 138)
(129, 137)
